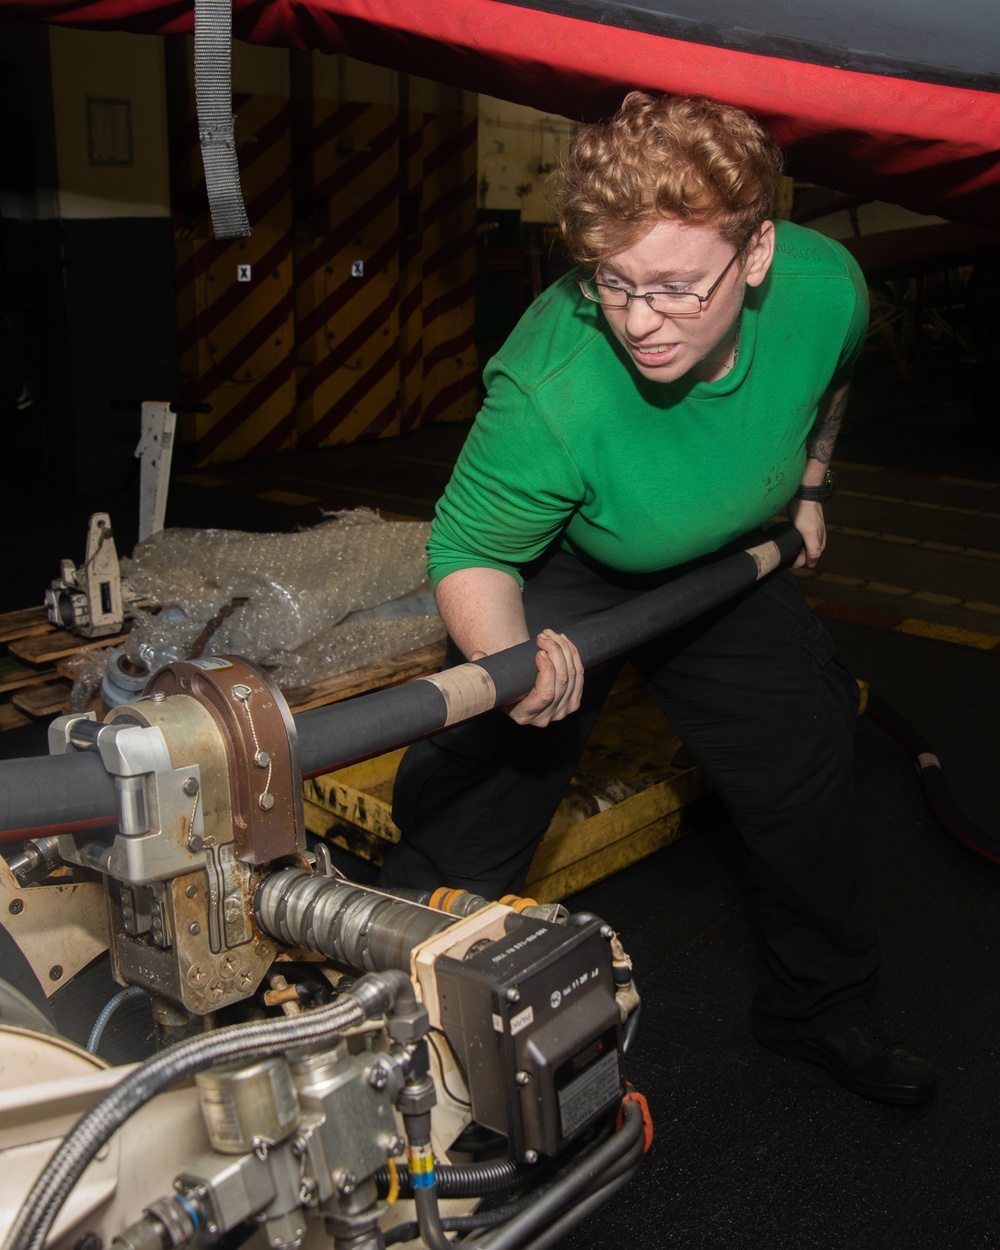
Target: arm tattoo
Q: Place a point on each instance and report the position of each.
(823, 435)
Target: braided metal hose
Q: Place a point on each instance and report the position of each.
(371, 996)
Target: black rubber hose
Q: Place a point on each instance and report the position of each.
(476, 1222)
(578, 1213)
(506, 1174)
(73, 791)
(54, 794)
(935, 786)
(342, 733)
(465, 1180)
(631, 1029)
(620, 1153)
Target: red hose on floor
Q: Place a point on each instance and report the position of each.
(935, 787)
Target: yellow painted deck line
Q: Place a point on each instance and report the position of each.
(897, 592)
(905, 540)
(950, 633)
(877, 618)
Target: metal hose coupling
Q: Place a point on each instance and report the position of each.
(390, 994)
(355, 927)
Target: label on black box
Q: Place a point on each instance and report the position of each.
(522, 1020)
(587, 1093)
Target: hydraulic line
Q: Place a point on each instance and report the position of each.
(464, 1180)
(631, 1029)
(934, 783)
(373, 995)
(576, 1214)
(108, 1010)
(73, 791)
(615, 1157)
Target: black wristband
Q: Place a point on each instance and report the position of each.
(817, 494)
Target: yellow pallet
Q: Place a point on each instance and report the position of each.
(627, 799)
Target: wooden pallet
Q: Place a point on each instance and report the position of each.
(33, 684)
(36, 679)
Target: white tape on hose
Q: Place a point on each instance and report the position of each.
(767, 557)
(467, 690)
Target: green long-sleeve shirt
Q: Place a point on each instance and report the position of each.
(573, 444)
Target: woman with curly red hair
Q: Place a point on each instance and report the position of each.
(656, 407)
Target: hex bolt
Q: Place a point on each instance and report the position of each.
(522, 1078)
(190, 786)
(234, 908)
(55, 972)
(262, 759)
(346, 1182)
(531, 1156)
(195, 842)
(266, 801)
(16, 906)
(396, 1145)
(607, 932)
(378, 1078)
(159, 696)
(513, 994)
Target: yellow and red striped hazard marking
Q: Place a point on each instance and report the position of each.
(439, 303)
(359, 327)
(236, 328)
(348, 279)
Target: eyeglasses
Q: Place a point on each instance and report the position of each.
(669, 303)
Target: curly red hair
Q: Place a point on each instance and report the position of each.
(690, 158)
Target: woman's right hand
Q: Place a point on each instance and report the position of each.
(558, 684)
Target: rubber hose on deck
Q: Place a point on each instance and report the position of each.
(934, 784)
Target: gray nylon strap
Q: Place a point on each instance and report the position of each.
(213, 89)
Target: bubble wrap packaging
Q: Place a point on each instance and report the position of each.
(307, 605)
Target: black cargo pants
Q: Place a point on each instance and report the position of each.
(754, 691)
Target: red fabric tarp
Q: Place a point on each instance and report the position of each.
(928, 146)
